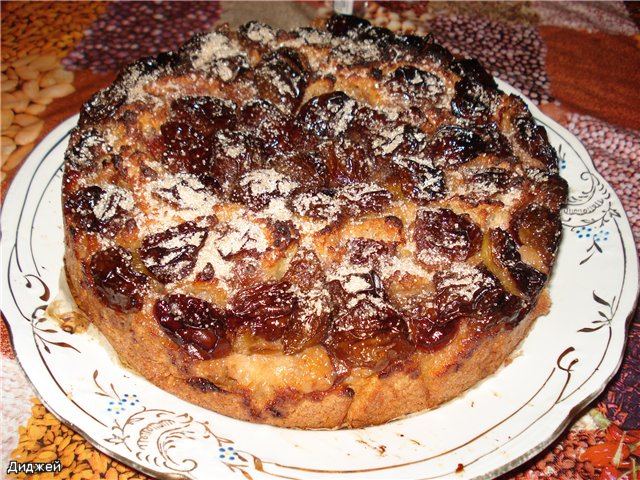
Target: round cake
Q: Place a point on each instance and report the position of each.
(320, 228)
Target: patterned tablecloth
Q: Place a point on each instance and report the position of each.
(580, 61)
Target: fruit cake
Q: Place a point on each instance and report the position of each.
(316, 228)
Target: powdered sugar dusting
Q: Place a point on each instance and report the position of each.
(174, 199)
(342, 114)
(463, 279)
(113, 199)
(260, 33)
(217, 47)
(268, 181)
(186, 191)
(210, 255)
(240, 235)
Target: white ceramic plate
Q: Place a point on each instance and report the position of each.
(562, 365)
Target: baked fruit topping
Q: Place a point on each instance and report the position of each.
(317, 228)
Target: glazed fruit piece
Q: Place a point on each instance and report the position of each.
(115, 282)
(316, 228)
(171, 255)
(194, 323)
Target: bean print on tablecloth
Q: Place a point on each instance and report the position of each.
(503, 11)
(512, 52)
(616, 154)
(608, 17)
(131, 30)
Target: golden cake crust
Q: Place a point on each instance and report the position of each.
(312, 229)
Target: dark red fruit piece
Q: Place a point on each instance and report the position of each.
(93, 209)
(505, 257)
(492, 304)
(265, 308)
(262, 119)
(205, 114)
(549, 190)
(413, 43)
(347, 162)
(381, 36)
(412, 84)
(226, 68)
(283, 233)
(404, 160)
(230, 68)
(538, 227)
(475, 294)
(207, 274)
(240, 239)
(368, 335)
(455, 290)
(281, 78)
(429, 334)
(472, 99)
(360, 199)
(147, 66)
(115, 282)
(165, 62)
(257, 188)
(414, 116)
(304, 330)
(410, 164)
(346, 25)
(186, 149)
(305, 270)
(325, 116)
(247, 268)
(418, 48)
(366, 251)
(233, 154)
(444, 236)
(318, 205)
(495, 143)
(493, 180)
(195, 324)
(452, 145)
(533, 139)
(373, 46)
(405, 142)
(308, 324)
(376, 353)
(86, 149)
(307, 168)
(171, 255)
(364, 283)
(199, 40)
(471, 68)
(366, 319)
(182, 193)
(529, 280)
(419, 181)
(102, 105)
(367, 123)
(375, 42)
(338, 296)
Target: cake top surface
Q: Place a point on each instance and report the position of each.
(342, 186)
